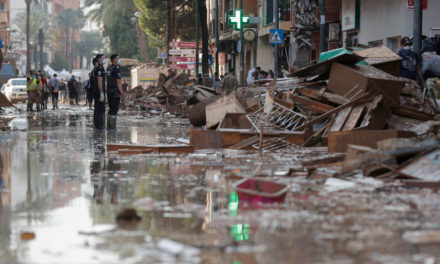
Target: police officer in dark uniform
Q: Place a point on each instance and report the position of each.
(90, 86)
(99, 93)
(114, 90)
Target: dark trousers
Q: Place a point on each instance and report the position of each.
(113, 104)
(99, 113)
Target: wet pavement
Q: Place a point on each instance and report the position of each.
(61, 185)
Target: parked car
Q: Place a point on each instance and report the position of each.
(16, 90)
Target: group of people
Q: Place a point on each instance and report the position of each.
(104, 86)
(39, 89)
(412, 67)
(98, 90)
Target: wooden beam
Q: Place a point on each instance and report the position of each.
(315, 106)
(318, 95)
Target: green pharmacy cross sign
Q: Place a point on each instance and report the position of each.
(238, 20)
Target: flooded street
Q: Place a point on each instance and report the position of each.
(62, 194)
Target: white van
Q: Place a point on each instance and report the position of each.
(16, 90)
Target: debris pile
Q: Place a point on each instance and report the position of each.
(349, 103)
(168, 94)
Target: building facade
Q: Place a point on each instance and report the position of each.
(5, 25)
(58, 6)
(375, 23)
(258, 51)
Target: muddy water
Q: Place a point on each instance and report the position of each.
(60, 184)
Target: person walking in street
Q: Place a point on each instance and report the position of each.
(46, 90)
(39, 98)
(114, 90)
(62, 91)
(230, 82)
(31, 89)
(79, 90)
(54, 84)
(71, 85)
(99, 93)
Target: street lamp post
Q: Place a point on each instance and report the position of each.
(28, 48)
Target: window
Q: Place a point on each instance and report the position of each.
(283, 11)
(393, 43)
(19, 82)
(2, 5)
(375, 43)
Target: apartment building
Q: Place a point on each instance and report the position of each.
(375, 23)
(5, 25)
(258, 51)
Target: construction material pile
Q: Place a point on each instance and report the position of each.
(168, 94)
(349, 104)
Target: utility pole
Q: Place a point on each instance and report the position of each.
(242, 45)
(217, 38)
(28, 46)
(276, 20)
(197, 37)
(41, 43)
(322, 28)
(417, 30)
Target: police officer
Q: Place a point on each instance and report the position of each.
(90, 86)
(114, 90)
(99, 93)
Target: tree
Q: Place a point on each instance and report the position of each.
(116, 16)
(38, 19)
(90, 44)
(59, 63)
(97, 13)
(70, 19)
(180, 22)
(205, 37)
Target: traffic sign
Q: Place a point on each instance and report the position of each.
(191, 45)
(239, 46)
(277, 36)
(182, 66)
(161, 54)
(183, 52)
(182, 59)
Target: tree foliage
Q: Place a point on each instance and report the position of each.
(59, 63)
(90, 44)
(70, 19)
(38, 19)
(116, 16)
(153, 20)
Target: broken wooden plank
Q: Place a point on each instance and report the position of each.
(363, 99)
(340, 119)
(319, 95)
(338, 141)
(403, 111)
(176, 148)
(316, 106)
(425, 167)
(354, 117)
(246, 143)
